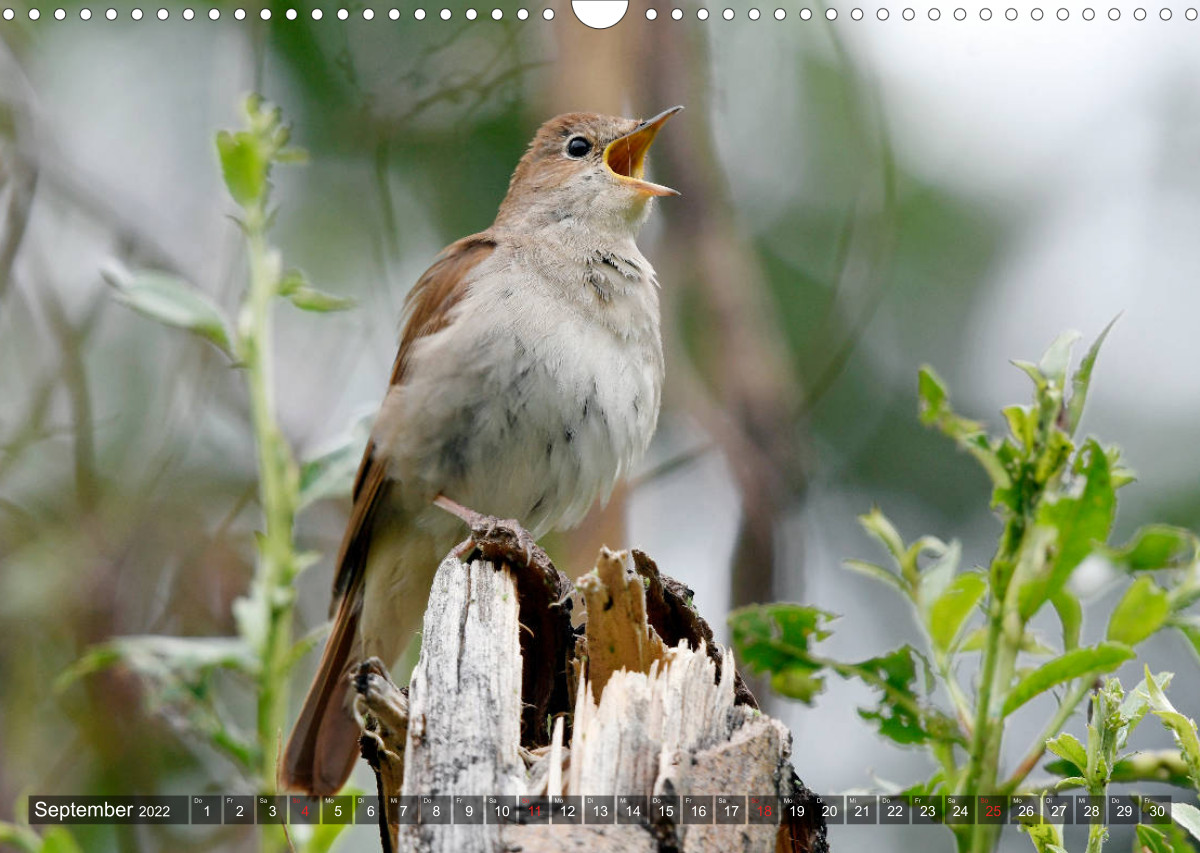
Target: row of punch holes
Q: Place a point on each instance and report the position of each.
(882, 14)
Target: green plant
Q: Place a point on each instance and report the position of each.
(1055, 495)
(177, 673)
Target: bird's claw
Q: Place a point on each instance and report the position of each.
(497, 540)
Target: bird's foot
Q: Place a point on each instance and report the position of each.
(497, 540)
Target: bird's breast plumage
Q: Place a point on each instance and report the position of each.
(540, 393)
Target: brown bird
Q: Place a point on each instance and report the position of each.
(527, 382)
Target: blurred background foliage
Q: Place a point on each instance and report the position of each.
(858, 198)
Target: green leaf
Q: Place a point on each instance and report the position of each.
(245, 165)
(161, 656)
(1070, 614)
(934, 410)
(949, 614)
(1187, 816)
(1083, 379)
(1152, 840)
(1046, 837)
(900, 715)
(1137, 701)
(1032, 371)
(19, 838)
(304, 296)
(1068, 747)
(331, 473)
(1079, 663)
(1142, 610)
(57, 839)
(877, 572)
(1057, 357)
(1080, 523)
(173, 302)
(1182, 727)
(1155, 546)
(775, 638)
(311, 299)
(882, 530)
(1022, 423)
(939, 574)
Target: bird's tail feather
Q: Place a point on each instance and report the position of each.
(324, 743)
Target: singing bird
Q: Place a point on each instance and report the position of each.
(526, 384)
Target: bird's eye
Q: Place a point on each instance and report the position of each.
(578, 147)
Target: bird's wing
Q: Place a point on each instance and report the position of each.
(427, 310)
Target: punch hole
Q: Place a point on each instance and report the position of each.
(290, 14)
(60, 14)
(856, 14)
(702, 14)
(960, 14)
(214, 14)
(265, 14)
(882, 14)
(805, 14)
(934, 14)
(111, 14)
(985, 14)
(419, 14)
(1010, 13)
(1088, 14)
(676, 14)
(727, 14)
(316, 14)
(754, 14)
(472, 14)
(908, 14)
(34, 14)
(368, 14)
(1114, 14)
(444, 14)
(394, 14)
(84, 14)
(1036, 14)
(522, 14)
(651, 14)
(163, 14)
(1139, 14)
(9, 14)
(1062, 14)
(547, 14)
(831, 14)
(1190, 14)
(240, 14)
(1164, 14)
(343, 14)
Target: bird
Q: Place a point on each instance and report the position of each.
(527, 383)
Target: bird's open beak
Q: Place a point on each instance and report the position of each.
(625, 156)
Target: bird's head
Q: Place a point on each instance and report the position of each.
(584, 169)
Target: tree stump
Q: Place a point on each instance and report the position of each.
(512, 699)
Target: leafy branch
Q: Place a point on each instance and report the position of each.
(177, 673)
(1055, 495)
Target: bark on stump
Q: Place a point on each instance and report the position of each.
(510, 698)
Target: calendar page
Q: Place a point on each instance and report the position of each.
(604, 425)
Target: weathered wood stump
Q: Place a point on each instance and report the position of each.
(511, 698)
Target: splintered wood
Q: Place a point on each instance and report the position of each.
(650, 718)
